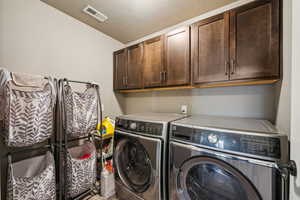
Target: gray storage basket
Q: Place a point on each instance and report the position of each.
(80, 174)
(32, 179)
(81, 111)
(28, 118)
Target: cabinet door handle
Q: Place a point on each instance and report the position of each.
(161, 76)
(142, 54)
(124, 81)
(232, 66)
(226, 67)
(165, 76)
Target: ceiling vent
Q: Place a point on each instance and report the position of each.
(95, 13)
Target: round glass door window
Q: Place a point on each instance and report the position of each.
(133, 165)
(205, 178)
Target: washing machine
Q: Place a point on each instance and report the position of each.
(140, 155)
(225, 158)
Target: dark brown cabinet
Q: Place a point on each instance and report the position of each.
(128, 68)
(120, 69)
(238, 47)
(134, 67)
(177, 57)
(153, 62)
(167, 59)
(241, 44)
(210, 49)
(254, 40)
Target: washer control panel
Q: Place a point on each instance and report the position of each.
(266, 146)
(139, 126)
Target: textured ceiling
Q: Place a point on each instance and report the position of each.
(129, 20)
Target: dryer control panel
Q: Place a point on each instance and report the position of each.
(253, 144)
(148, 128)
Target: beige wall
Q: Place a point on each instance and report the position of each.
(295, 98)
(36, 38)
(283, 89)
(244, 101)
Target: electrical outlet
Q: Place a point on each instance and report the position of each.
(184, 109)
(102, 106)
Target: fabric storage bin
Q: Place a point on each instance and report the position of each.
(32, 179)
(28, 117)
(81, 111)
(80, 172)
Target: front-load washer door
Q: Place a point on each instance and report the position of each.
(206, 178)
(137, 161)
(198, 175)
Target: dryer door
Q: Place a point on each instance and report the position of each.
(207, 178)
(137, 161)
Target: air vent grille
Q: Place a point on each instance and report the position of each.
(95, 13)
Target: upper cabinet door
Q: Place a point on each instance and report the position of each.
(177, 57)
(254, 40)
(153, 62)
(210, 45)
(134, 66)
(120, 69)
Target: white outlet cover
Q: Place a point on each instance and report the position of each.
(102, 106)
(184, 109)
